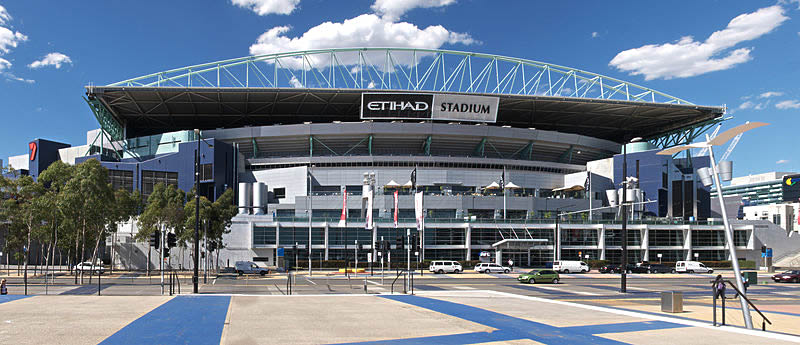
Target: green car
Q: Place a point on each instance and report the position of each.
(539, 276)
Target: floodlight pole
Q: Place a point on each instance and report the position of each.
(195, 275)
(623, 283)
(748, 321)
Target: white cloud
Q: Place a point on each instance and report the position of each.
(366, 30)
(296, 83)
(782, 161)
(52, 59)
(4, 16)
(769, 94)
(4, 64)
(10, 39)
(265, 7)
(394, 9)
(595, 34)
(688, 58)
(788, 104)
(746, 105)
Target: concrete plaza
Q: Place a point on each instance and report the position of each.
(430, 317)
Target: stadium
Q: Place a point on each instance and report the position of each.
(516, 159)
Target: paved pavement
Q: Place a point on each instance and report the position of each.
(430, 317)
(333, 308)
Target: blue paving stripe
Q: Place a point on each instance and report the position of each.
(624, 327)
(130, 275)
(427, 288)
(85, 290)
(512, 328)
(451, 339)
(181, 320)
(9, 298)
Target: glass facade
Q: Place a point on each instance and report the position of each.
(151, 178)
(121, 179)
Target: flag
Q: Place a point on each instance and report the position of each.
(396, 210)
(418, 209)
(368, 225)
(343, 218)
(414, 179)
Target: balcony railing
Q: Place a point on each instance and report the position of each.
(385, 221)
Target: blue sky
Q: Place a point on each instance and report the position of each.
(743, 54)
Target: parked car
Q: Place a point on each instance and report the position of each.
(539, 276)
(249, 267)
(490, 267)
(570, 266)
(692, 267)
(610, 269)
(88, 267)
(445, 267)
(787, 277)
(650, 268)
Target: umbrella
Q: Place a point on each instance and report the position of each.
(392, 184)
(511, 185)
(494, 185)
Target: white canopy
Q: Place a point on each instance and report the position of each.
(511, 185)
(408, 184)
(494, 185)
(392, 184)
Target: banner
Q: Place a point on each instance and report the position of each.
(396, 210)
(368, 226)
(343, 218)
(465, 108)
(418, 209)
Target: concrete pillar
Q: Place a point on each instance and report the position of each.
(499, 257)
(468, 241)
(327, 242)
(601, 242)
(687, 244)
(646, 244)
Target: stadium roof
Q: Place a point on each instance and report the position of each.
(326, 85)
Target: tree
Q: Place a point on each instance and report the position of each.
(164, 210)
(126, 205)
(25, 211)
(55, 179)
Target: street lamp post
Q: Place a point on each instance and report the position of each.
(714, 172)
(196, 259)
(623, 283)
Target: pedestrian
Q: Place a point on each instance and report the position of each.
(745, 283)
(511, 264)
(719, 287)
(3, 288)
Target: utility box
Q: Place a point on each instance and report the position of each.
(751, 276)
(672, 301)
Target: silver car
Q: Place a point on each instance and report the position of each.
(490, 268)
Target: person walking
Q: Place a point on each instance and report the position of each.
(3, 288)
(745, 283)
(511, 264)
(719, 287)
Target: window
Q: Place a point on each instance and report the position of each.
(151, 178)
(206, 172)
(776, 218)
(264, 235)
(280, 193)
(121, 179)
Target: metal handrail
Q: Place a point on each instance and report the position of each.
(749, 302)
(399, 273)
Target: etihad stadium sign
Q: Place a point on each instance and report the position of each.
(423, 106)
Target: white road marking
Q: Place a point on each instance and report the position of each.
(463, 287)
(372, 282)
(310, 281)
(567, 291)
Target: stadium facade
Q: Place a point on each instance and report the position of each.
(500, 147)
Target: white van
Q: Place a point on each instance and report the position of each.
(692, 267)
(570, 266)
(445, 267)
